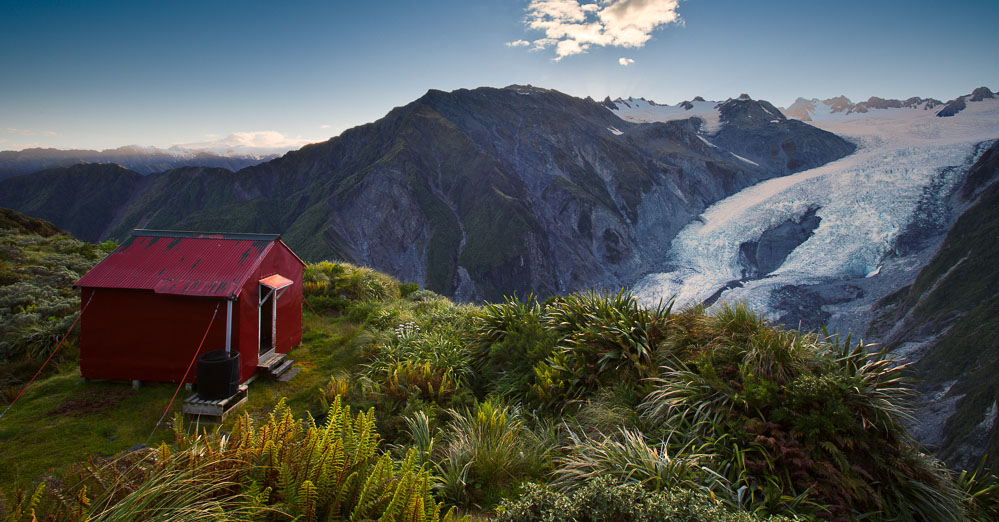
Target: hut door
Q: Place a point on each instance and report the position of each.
(268, 323)
(270, 291)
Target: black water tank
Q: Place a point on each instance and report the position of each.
(218, 375)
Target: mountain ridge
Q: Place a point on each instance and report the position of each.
(482, 193)
(144, 160)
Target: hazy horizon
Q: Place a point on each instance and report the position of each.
(267, 77)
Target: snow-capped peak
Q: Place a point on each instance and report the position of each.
(841, 107)
(640, 110)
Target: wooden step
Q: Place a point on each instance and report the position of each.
(288, 375)
(275, 366)
(271, 362)
(280, 370)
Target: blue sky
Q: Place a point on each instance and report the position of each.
(106, 74)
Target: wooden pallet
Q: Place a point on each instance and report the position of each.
(203, 410)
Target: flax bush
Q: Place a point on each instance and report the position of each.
(799, 422)
(485, 450)
(574, 345)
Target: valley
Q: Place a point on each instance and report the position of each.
(486, 193)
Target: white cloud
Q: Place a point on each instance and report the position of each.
(572, 26)
(518, 43)
(625, 61)
(325, 126)
(254, 142)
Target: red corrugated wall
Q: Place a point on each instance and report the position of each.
(137, 334)
(141, 335)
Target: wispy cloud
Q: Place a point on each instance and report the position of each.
(21, 146)
(325, 126)
(518, 43)
(625, 61)
(572, 26)
(254, 142)
(27, 132)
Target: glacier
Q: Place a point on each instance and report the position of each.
(864, 200)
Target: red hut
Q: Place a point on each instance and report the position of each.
(150, 303)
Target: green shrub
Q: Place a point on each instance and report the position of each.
(407, 289)
(567, 348)
(610, 408)
(37, 299)
(602, 338)
(349, 282)
(609, 333)
(981, 493)
(509, 339)
(423, 295)
(423, 359)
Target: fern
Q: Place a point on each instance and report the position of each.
(24, 505)
(306, 501)
(372, 493)
(285, 467)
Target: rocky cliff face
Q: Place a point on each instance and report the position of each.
(946, 322)
(477, 193)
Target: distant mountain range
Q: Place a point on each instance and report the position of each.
(841, 106)
(144, 160)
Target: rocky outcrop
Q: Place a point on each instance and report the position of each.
(958, 104)
(981, 93)
(953, 107)
(803, 306)
(759, 258)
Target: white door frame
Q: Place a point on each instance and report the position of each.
(266, 293)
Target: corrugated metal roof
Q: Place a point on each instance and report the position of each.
(182, 263)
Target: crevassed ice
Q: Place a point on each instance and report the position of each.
(865, 200)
